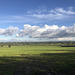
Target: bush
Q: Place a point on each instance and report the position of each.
(9, 46)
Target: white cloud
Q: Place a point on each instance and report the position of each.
(48, 16)
(4, 39)
(63, 11)
(28, 30)
(2, 31)
(47, 31)
(53, 14)
(41, 16)
(9, 31)
(64, 39)
(37, 11)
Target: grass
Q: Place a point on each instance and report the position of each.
(18, 50)
(37, 60)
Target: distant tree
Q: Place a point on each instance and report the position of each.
(1, 45)
(69, 43)
(9, 45)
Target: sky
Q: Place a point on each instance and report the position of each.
(37, 20)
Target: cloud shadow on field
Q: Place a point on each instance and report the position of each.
(42, 64)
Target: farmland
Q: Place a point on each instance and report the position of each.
(37, 60)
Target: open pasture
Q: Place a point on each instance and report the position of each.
(37, 60)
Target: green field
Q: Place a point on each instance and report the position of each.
(37, 60)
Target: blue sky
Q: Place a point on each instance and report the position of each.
(37, 20)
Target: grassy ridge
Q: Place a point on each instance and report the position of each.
(37, 60)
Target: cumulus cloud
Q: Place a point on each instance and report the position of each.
(9, 31)
(53, 31)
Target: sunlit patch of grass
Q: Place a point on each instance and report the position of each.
(18, 50)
